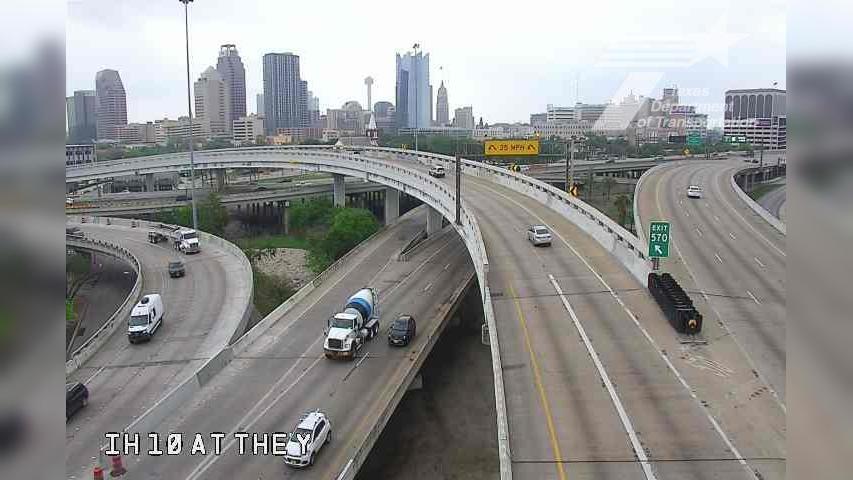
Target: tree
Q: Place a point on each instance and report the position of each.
(623, 207)
(349, 227)
(609, 182)
(313, 213)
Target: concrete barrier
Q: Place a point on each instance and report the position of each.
(85, 351)
(767, 216)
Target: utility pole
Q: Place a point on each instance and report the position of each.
(571, 163)
(190, 112)
(458, 188)
(415, 48)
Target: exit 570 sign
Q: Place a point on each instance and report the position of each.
(659, 239)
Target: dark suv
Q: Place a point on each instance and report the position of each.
(402, 331)
(176, 269)
(76, 397)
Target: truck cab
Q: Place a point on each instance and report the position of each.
(186, 240)
(347, 331)
(145, 318)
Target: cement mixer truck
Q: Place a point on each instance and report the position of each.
(347, 331)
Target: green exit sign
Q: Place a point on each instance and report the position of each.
(659, 240)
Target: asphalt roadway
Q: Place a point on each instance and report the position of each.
(690, 411)
(101, 295)
(283, 374)
(774, 202)
(734, 265)
(124, 380)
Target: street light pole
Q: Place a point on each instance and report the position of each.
(190, 111)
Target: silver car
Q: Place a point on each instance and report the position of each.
(539, 235)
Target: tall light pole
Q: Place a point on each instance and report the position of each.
(415, 48)
(190, 111)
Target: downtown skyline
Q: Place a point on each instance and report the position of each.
(523, 72)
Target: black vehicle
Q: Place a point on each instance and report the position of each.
(76, 397)
(156, 237)
(176, 269)
(402, 331)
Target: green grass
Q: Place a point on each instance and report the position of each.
(274, 241)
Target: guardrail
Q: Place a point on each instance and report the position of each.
(85, 351)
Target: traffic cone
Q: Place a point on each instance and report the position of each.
(98, 473)
(117, 467)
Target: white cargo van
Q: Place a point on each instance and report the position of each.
(145, 318)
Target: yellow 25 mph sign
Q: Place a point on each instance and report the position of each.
(512, 147)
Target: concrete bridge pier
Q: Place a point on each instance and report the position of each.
(220, 179)
(340, 192)
(434, 221)
(392, 205)
(149, 182)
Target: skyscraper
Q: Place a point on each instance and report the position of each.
(283, 92)
(442, 108)
(110, 104)
(259, 104)
(230, 68)
(414, 107)
(463, 117)
(213, 103)
(80, 111)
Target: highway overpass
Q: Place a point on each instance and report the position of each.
(203, 311)
(587, 381)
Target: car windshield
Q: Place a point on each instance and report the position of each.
(540, 231)
(341, 323)
(399, 325)
(300, 432)
(138, 320)
(175, 265)
(188, 236)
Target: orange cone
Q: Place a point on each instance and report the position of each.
(98, 473)
(117, 467)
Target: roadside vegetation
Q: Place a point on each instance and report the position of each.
(325, 231)
(212, 215)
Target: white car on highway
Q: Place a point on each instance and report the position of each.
(694, 191)
(539, 235)
(313, 432)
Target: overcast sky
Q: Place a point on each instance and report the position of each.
(507, 60)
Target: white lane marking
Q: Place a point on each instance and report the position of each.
(605, 378)
(753, 298)
(687, 213)
(447, 266)
(759, 262)
(698, 231)
(723, 198)
(732, 235)
(428, 286)
(248, 420)
(753, 366)
(718, 258)
(705, 407)
(716, 219)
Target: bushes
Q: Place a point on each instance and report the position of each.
(270, 291)
(313, 213)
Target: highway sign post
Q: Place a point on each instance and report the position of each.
(658, 241)
(512, 147)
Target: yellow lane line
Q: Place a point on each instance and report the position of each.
(543, 397)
